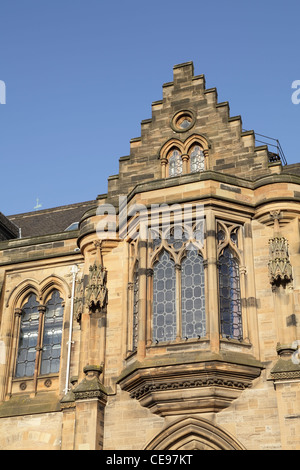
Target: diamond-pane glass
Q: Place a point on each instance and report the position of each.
(135, 307)
(52, 335)
(230, 296)
(197, 159)
(28, 338)
(164, 310)
(192, 295)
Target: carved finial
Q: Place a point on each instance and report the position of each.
(275, 216)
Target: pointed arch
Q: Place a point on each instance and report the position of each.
(51, 283)
(194, 433)
(21, 291)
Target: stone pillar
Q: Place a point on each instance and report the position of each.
(90, 400)
(212, 284)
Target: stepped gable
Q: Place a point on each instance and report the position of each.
(229, 149)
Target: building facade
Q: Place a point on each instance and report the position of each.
(164, 314)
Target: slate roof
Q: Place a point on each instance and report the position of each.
(50, 221)
(7, 228)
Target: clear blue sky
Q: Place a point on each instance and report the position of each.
(80, 76)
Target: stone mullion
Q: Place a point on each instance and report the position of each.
(212, 283)
(39, 345)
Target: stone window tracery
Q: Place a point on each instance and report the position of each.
(180, 158)
(178, 309)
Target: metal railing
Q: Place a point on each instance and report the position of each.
(277, 155)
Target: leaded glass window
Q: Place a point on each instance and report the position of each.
(192, 295)
(28, 338)
(175, 163)
(135, 307)
(197, 159)
(52, 334)
(164, 309)
(230, 295)
(40, 332)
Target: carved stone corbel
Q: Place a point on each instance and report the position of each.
(280, 268)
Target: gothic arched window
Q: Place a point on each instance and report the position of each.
(164, 294)
(192, 295)
(29, 328)
(53, 322)
(135, 307)
(196, 159)
(229, 286)
(178, 287)
(40, 336)
(175, 163)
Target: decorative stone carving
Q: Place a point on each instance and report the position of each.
(286, 368)
(91, 387)
(91, 292)
(280, 268)
(195, 386)
(96, 290)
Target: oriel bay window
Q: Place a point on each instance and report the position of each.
(40, 334)
(176, 304)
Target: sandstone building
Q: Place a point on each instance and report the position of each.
(164, 314)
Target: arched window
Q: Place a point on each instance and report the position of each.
(52, 334)
(230, 295)
(164, 292)
(175, 163)
(178, 286)
(28, 337)
(196, 159)
(135, 322)
(40, 336)
(192, 295)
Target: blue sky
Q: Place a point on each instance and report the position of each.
(80, 76)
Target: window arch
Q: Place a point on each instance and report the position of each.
(178, 308)
(40, 334)
(28, 337)
(51, 344)
(175, 162)
(229, 282)
(164, 297)
(192, 294)
(196, 158)
(178, 158)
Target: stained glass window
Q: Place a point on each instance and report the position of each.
(197, 159)
(175, 163)
(28, 338)
(192, 295)
(164, 310)
(230, 295)
(52, 334)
